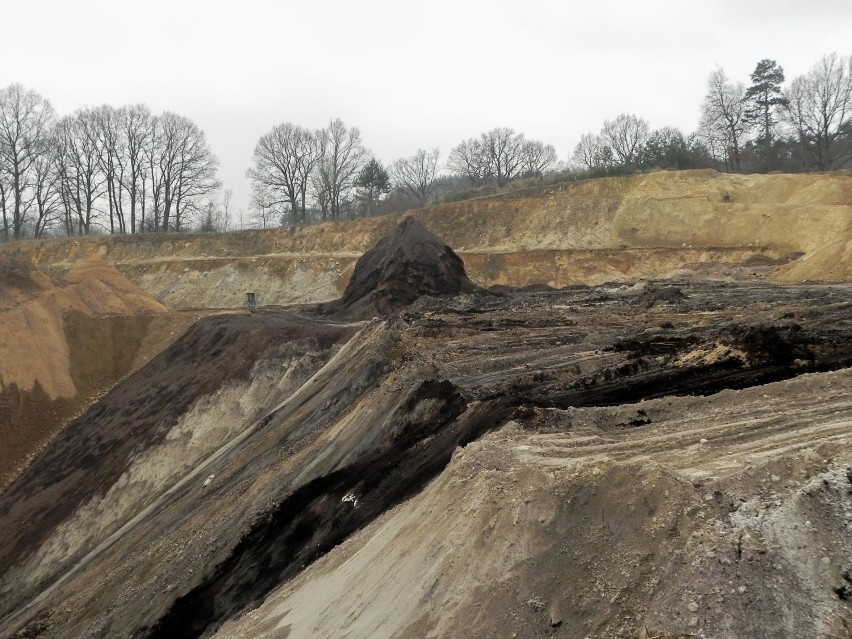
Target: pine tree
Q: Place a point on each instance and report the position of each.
(372, 182)
(764, 96)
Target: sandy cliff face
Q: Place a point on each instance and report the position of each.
(612, 229)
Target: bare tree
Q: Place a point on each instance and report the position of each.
(470, 160)
(593, 153)
(134, 124)
(496, 155)
(724, 115)
(25, 118)
(341, 156)
(152, 151)
(197, 176)
(185, 169)
(46, 187)
(284, 159)
(322, 196)
(819, 108)
(216, 213)
(415, 176)
(504, 151)
(213, 218)
(4, 209)
(227, 196)
(625, 135)
(81, 180)
(168, 140)
(537, 158)
(109, 160)
(309, 150)
(714, 140)
(260, 209)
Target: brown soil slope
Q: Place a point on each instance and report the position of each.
(33, 346)
(59, 343)
(612, 229)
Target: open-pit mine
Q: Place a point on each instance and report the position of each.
(618, 408)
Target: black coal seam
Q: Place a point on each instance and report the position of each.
(697, 380)
(315, 518)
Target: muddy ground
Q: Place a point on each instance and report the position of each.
(629, 460)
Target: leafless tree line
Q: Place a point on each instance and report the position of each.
(627, 143)
(500, 155)
(327, 174)
(808, 124)
(760, 127)
(126, 170)
(121, 170)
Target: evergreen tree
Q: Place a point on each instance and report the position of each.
(372, 183)
(764, 96)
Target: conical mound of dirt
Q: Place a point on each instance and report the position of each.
(401, 267)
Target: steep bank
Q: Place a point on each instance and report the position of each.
(783, 227)
(61, 343)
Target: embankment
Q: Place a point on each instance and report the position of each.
(781, 227)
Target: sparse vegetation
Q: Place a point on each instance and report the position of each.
(14, 264)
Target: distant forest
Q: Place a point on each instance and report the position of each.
(128, 170)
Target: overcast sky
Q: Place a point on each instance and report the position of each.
(408, 74)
